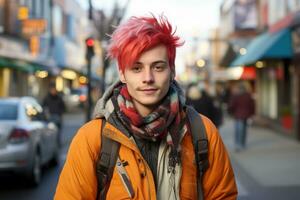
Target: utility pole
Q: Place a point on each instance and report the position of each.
(89, 42)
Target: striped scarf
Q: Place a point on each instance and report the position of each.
(167, 120)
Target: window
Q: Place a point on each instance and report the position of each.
(8, 111)
(245, 14)
(57, 20)
(11, 23)
(291, 6)
(298, 4)
(70, 27)
(277, 10)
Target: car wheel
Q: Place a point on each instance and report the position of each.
(36, 171)
(55, 159)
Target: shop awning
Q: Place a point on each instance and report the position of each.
(52, 69)
(267, 46)
(27, 66)
(16, 64)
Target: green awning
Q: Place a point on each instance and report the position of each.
(16, 64)
(267, 46)
(52, 69)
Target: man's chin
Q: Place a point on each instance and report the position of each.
(149, 103)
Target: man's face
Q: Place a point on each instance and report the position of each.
(148, 80)
(53, 91)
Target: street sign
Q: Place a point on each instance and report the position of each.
(34, 45)
(33, 27)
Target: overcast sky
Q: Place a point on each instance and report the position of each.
(189, 16)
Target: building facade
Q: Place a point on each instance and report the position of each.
(43, 41)
(273, 53)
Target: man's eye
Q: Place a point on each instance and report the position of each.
(159, 68)
(136, 69)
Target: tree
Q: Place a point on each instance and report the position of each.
(105, 25)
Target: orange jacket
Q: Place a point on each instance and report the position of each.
(78, 177)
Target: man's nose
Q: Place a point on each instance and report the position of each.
(148, 76)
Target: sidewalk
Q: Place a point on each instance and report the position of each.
(271, 159)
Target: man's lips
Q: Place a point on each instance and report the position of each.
(148, 90)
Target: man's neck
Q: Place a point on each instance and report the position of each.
(143, 111)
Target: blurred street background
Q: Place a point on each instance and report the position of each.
(62, 43)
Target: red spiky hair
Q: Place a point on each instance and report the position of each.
(139, 34)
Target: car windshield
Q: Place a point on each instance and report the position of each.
(8, 111)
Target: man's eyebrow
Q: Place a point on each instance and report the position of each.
(153, 63)
(158, 62)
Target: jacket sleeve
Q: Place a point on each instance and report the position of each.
(78, 176)
(218, 180)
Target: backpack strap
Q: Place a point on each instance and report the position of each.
(106, 162)
(200, 144)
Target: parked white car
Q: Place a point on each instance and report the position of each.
(27, 139)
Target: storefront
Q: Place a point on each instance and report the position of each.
(24, 78)
(296, 70)
(14, 76)
(275, 91)
(271, 54)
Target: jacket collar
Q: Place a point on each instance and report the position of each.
(104, 106)
(115, 134)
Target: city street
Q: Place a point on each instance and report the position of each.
(267, 170)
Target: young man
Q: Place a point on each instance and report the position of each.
(145, 113)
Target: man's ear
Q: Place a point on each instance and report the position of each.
(122, 77)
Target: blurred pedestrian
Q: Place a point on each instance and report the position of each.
(203, 103)
(54, 107)
(219, 110)
(145, 114)
(223, 95)
(242, 108)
